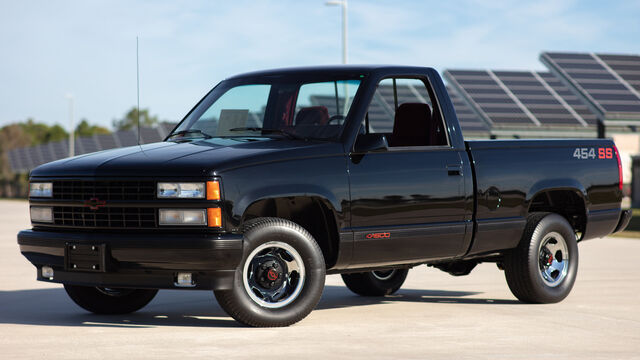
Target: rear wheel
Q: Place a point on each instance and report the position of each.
(101, 300)
(375, 283)
(543, 268)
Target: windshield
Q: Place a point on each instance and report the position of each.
(293, 109)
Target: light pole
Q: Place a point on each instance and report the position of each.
(72, 129)
(342, 3)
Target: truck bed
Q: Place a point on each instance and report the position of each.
(510, 175)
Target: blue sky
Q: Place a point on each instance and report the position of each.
(87, 48)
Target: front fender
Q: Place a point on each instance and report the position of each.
(283, 191)
(322, 177)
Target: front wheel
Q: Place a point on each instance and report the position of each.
(375, 283)
(543, 268)
(109, 300)
(280, 278)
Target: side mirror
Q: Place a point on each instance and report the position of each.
(370, 143)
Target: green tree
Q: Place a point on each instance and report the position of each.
(14, 136)
(28, 133)
(130, 120)
(86, 129)
(40, 133)
(11, 136)
(17, 135)
(55, 133)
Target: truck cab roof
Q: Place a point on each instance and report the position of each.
(335, 69)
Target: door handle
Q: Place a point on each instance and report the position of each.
(454, 170)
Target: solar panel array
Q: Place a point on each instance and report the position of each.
(469, 121)
(568, 97)
(610, 84)
(523, 100)
(22, 160)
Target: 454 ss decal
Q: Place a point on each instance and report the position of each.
(593, 153)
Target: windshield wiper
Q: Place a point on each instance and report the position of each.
(246, 129)
(190, 131)
(288, 134)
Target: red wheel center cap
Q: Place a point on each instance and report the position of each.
(550, 259)
(272, 275)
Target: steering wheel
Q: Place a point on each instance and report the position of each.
(335, 117)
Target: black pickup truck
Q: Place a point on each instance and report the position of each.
(277, 178)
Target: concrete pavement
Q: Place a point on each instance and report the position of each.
(434, 316)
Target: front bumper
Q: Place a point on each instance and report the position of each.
(136, 260)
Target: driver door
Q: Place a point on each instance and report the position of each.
(407, 202)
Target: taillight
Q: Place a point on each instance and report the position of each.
(615, 148)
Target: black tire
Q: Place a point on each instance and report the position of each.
(375, 283)
(292, 294)
(109, 301)
(531, 274)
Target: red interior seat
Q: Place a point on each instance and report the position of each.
(312, 115)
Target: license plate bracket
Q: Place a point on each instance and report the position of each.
(83, 257)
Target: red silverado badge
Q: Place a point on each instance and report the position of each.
(382, 235)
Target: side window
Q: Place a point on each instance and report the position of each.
(402, 109)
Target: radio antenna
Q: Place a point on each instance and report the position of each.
(138, 90)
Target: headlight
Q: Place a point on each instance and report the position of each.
(37, 189)
(183, 217)
(181, 190)
(41, 214)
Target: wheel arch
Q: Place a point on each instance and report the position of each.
(313, 212)
(565, 197)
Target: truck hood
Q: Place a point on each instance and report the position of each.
(195, 158)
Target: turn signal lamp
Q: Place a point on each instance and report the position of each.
(214, 217)
(213, 190)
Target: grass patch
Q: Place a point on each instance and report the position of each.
(627, 234)
(634, 224)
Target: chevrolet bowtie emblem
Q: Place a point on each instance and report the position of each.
(94, 203)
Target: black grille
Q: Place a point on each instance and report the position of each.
(104, 190)
(112, 217)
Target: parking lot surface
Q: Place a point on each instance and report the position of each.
(433, 316)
